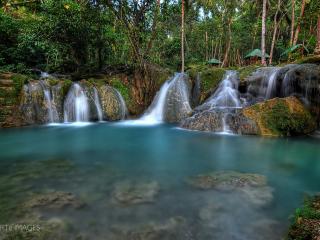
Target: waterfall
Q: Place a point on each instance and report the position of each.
(98, 104)
(76, 106)
(227, 95)
(272, 82)
(123, 105)
(225, 100)
(170, 103)
(156, 112)
(49, 100)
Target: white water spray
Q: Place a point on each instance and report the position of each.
(76, 107)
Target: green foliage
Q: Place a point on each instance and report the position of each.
(66, 84)
(122, 88)
(19, 80)
(305, 221)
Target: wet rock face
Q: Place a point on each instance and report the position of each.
(207, 121)
(275, 117)
(302, 80)
(55, 200)
(33, 106)
(111, 103)
(257, 82)
(177, 105)
(89, 90)
(129, 193)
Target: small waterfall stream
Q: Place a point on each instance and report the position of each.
(174, 95)
(48, 97)
(271, 84)
(98, 104)
(156, 112)
(123, 105)
(76, 106)
(225, 99)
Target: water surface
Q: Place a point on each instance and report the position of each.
(91, 160)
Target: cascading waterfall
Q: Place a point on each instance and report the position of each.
(227, 95)
(123, 105)
(272, 82)
(98, 104)
(225, 99)
(157, 111)
(52, 110)
(76, 106)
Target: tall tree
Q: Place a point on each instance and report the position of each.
(293, 5)
(276, 23)
(317, 50)
(263, 33)
(296, 35)
(182, 36)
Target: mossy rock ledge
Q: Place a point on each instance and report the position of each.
(275, 117)
(280, 117)
(306, 221)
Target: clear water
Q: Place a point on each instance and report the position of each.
(102, 155)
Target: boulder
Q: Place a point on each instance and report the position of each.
(279, 117)
(112, 103)
(33, 106)
(177, 106)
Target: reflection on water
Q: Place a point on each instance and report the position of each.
(133, 182)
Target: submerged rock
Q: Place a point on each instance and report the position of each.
(228, 180)
(55, 200)
(172, 229)
(129, 193)
(252, 187)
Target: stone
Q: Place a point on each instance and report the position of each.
(129, 193)
(111, 103)
(55, 200)
(281, 117)
(177, 106)
(227, 180)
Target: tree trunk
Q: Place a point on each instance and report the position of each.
(293, 4)
(296, 35)
(182, 36)
(263, 34)
(226, 54)
(207, 48)
(275, 29)
(317, 50)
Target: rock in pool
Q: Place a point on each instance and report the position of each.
(129, 193)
